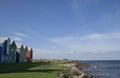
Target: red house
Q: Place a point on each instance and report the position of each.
(29, 55)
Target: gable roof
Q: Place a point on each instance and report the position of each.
(26, 47)
(2, 39)
(13, 43)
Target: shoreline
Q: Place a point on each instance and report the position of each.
(74, 69)
(83, 66)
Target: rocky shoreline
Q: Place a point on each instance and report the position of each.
(73, 69)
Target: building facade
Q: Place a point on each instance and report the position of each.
(25, 54)
(4, 49)
(31, 55)
(12, 55)
(22, 54)
(1, 54)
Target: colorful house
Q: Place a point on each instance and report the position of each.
(25, 54)
(4, 49)
(17, 57)
(1, 54)
(12, 54)
(20, 53)
(29, 55)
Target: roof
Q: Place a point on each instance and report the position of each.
(2, 39)
(12, 42)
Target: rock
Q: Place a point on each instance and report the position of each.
(61, 75)
(74, 72)
(85, 75)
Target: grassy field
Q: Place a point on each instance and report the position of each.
(30, 70)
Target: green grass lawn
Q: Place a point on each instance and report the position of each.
(30, 70)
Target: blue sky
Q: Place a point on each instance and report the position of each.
(58, 29)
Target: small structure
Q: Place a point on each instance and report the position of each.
(12, 55)
(17, 57)
(20, 53)
(1, 54)
(14, 52)
(29, 55)
(25, 54)
(4, 49)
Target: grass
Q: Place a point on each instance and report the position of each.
(30, 70)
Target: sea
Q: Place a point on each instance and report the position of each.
(104, 68)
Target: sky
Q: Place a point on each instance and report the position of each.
(64, 29)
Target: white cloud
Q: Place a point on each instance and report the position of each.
(16, 38)
(58, 54)
(22, 35)
(102, 36)
(114, 35)
(62, 39)
(93, 36)
(94, 43)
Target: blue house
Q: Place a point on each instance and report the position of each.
(20, 53)
(4, 49)
(1, 53)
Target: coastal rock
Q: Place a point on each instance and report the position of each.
(74, 72)
(85, 75)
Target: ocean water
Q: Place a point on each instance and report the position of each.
(104, 69)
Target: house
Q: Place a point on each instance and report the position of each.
(4, 49)
(25, 54)
(17, 57)
(29, 55)
(12, 54)
(20, 53)
(1, 54)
